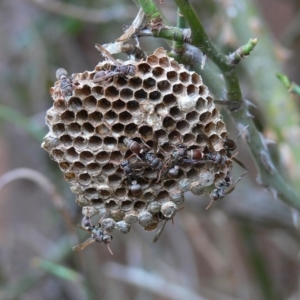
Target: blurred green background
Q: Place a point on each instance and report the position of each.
(244, 247)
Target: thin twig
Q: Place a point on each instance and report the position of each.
(45, 184)
(133, 28)
(242, 52)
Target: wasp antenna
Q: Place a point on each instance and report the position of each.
(209, 205)
(233, 157)
(159, 175)
(235, 154)
(109, 250)
(240, 177)
(180, 208)
(145, 144)
(239, 163)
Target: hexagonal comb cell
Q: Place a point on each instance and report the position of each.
(128, 147)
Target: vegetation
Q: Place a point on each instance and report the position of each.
(246, 245)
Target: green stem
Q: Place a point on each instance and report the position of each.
(279, 112)
(242, 52)
(202, 41)
(282, 114)
(178, 46)
(149, 9)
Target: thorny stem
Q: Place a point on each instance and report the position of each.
(268, 174)
(281, 114)
(202, 41)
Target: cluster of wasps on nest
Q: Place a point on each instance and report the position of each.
(170, 157)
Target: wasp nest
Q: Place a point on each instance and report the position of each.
(132, 137)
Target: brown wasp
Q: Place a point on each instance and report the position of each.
(66, 85)
(181, 155)
(97, 235)
(115, 69)
(224, 188)
(150, 159)
(177, 157)
(161, 229)
(132, 145)
(216, 157)
(230, 146)
(129, 170)
(133, 52)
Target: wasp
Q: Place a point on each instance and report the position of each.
(161, 229)
(224, 188)
(182, 155)
(150, 159)
(229, 146)
(66, 84)
(216, 158)
(134, 146)
(136, 188)
(133, 52)
(116, 68)
(159, 232)
(129, 170)
(97, 235)
(196, 156)
(86, 223)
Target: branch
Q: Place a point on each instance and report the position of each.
(242, 52)
(268, 176)
(178, 46)
(133, 28)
